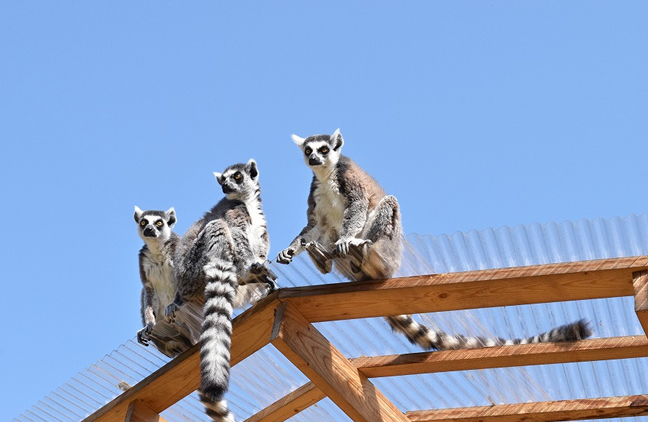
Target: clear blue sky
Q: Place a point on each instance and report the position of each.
(474, 114)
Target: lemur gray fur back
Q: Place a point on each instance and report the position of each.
(353, 224)
(222, 260)
(156, 273)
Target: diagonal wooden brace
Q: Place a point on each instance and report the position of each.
(640, 284)
(139, 412)
(329, 369)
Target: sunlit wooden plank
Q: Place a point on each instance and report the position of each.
(640, 285)
(330, 370)
(288, 406)
(138, 412)
(467, 290)
(567, 410)
(504, 356)
(181, 376)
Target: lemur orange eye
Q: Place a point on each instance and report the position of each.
(159, 223)
(143, 223)
(324, 150)
(237, 176)
(308, 151)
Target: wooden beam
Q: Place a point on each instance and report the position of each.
(288, 406)
(640, 284)
(567, 410)
(503, 356)
(138, 412)
(461, 360)
(467, 290)
(329, 370)
(181, 376)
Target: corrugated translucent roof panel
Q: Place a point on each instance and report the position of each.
(267, 376)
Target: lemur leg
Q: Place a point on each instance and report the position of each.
(321, 257)
(378, 254)
(191, 281)
(258, 277)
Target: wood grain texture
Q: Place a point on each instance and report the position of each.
(503, 357)
(346, 382)
(640, 285)
(460, 360)
(181, 376)
(288, 406)
(567, 410)
(467, 290)
(138, 412)
(329, 370)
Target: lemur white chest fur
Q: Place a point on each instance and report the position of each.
(329, 203)
(257, 226)
(159, 271)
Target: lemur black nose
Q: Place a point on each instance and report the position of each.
(314, 161)
(149, 232)
(227, 189)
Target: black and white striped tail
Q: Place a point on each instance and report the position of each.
(216, 338)
(438, 340)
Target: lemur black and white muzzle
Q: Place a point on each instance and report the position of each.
(150, 231)
(315, 160)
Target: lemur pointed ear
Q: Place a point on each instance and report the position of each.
(219, 177)
(138, 213)
(252, 168)
(171, 217)
(337, 140)
(298, 140)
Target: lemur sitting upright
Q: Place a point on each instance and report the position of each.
(353, 224)
(156, 273)
(222, 259)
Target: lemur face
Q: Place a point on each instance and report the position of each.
(239, 180)
(321, 150)
(155, 224)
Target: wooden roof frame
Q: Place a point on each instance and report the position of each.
(285, 319)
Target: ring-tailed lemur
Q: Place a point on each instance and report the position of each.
(156, 273)
(353, 224)
(222, 258)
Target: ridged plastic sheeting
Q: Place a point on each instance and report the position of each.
(267, 376)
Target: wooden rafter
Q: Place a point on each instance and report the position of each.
(181, 376)
(475, 289)
(467, 290)
(459, 360)
(565, 410)
(329, 370)
(288, 406)
(503, 357)
(138, 412)
(640, 285)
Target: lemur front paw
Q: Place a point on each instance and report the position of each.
(170, 312)
(344, 245)
(286, 256)
(263, 274)
(143, 334)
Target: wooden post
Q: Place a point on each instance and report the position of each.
(329, 369)
(640, 284)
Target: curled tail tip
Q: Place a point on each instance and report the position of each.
(583, 329)
(575, 331)
(216, 409)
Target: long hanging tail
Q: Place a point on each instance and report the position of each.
(438, 340)
(216, 337)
